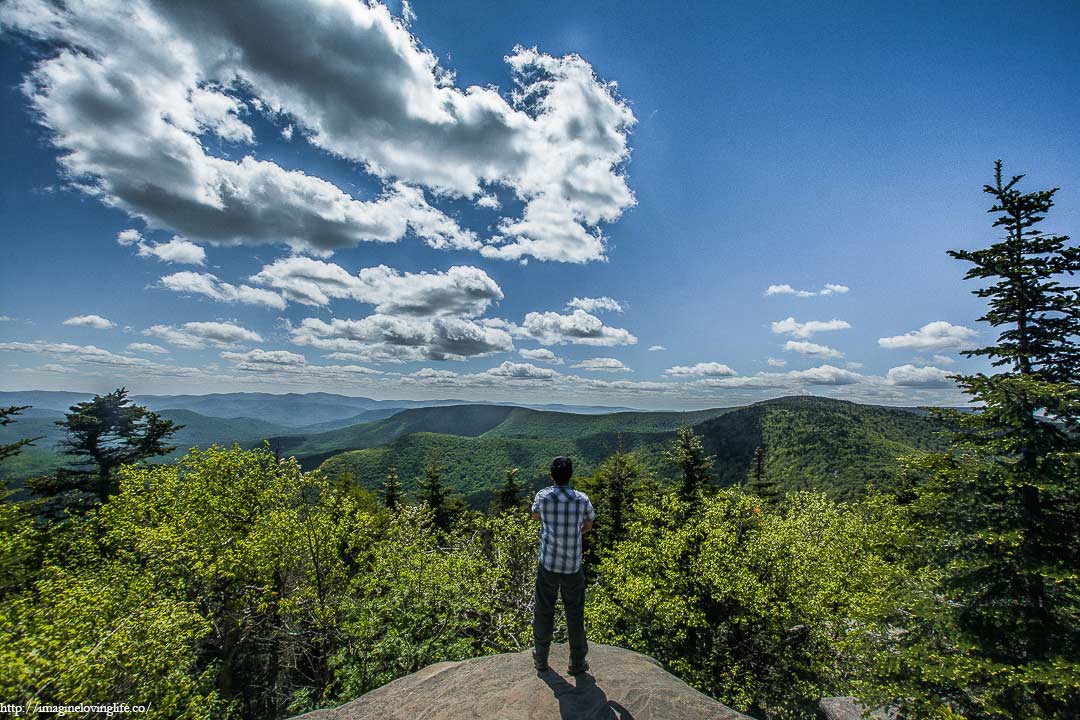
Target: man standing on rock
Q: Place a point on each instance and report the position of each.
(565, 514)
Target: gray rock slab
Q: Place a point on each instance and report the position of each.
(621, 685)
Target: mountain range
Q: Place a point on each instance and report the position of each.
(809, 442)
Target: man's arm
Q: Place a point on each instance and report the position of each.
(536, 516)
(586, 526)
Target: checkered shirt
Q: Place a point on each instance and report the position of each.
(562, 511)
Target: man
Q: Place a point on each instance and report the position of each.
(565, 514)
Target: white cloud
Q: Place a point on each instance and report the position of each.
(932, 336)
(822, 375)
(925, 377)
(265, 357)
(706, 369)
(92, 321)
(541, 355)
(99, 359)
(657, 348)
(462, 291)
(776, 362)
(521, 371)
(208, 285)
(128, 91)
(811, 349)
(390, 338)
(591, 305)
(176, 250)
(786, 289)
(579, 328)
(791, 326)
(147, 348)
(944, 360)
(196, 335)
(602, 364)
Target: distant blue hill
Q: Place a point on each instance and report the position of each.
(291, 410)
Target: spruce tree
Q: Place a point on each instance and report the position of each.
(760, 484)
(392, 490)
(108, 432)
(687, 453)
(616, 481)
(434, 494)
(509, 496)
(1003, 503)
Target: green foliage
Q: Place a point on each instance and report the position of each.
(768, 609)
(107, 632)
(429, 597)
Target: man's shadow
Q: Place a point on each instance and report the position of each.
(583, 700)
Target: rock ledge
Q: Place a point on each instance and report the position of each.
(622, 685)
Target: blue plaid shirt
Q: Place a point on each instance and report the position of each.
(562, 511)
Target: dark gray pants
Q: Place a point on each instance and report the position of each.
(549, 585)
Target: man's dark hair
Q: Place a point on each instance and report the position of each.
(562, 469)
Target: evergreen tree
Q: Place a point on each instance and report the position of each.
(509, 496)
(6, 418)
(687, 453)
(616, 482)
(760, 484)
(434, 494)
(109, 432)
(392, 490)
(1004, 501)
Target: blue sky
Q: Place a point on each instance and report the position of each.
(351, 199)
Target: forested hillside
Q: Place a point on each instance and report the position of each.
(835, 446)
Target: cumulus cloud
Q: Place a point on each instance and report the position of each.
(827, 289)
(461, 291)
(521, 371)
(147, 348)
(602, 364)
(208, 285)
(811, 349)
(541, 355)
(128, 92)
(931, 336)
(705, 369)
(176, 250)
(657, 348)
(591, 305)
(579, 328)
(197, 335)
(390, 338)
(266, 357)
(923, 377)
(92, 321)
(791, 326)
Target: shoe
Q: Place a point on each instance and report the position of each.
(579, 669)
(540, 663)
